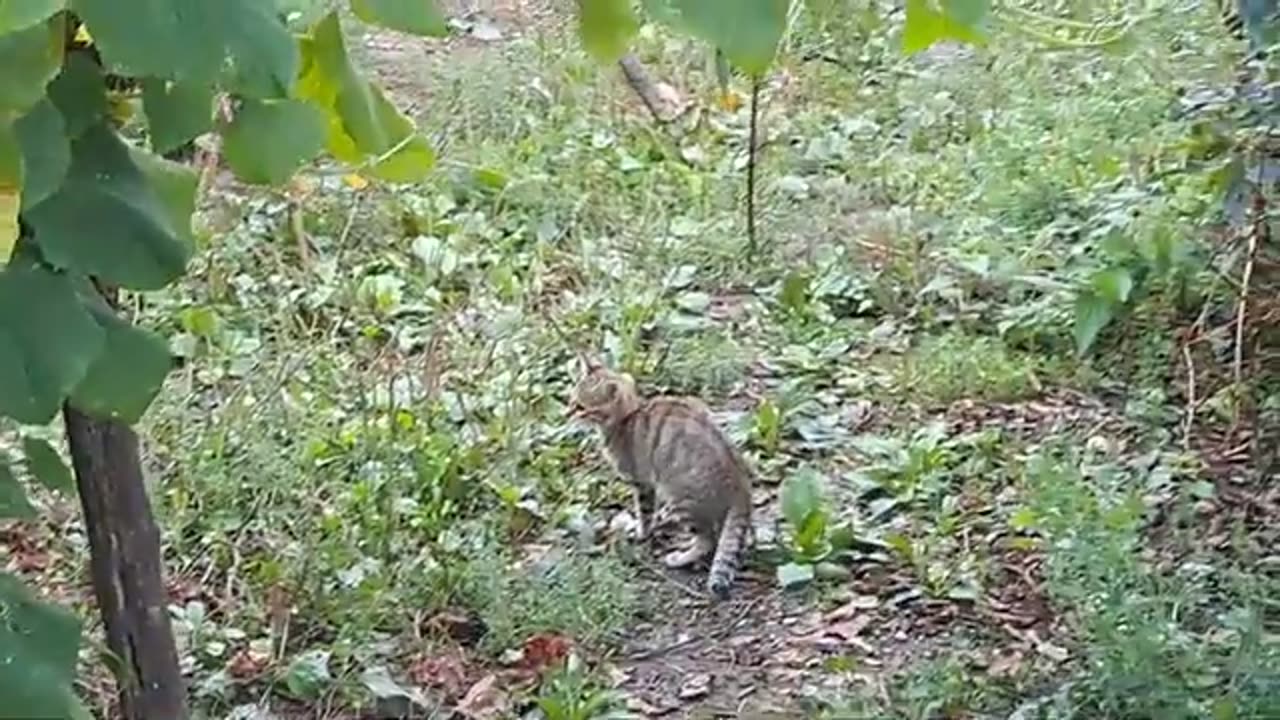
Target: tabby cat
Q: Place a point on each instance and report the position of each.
(669, 448)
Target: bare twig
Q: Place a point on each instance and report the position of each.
(1242, 312)
(1189, 419)
(751, 167)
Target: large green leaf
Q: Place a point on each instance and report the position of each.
(13, 499)
(419, 17)
(176, 184)
(46, 466)
(80, 94)
(928, 23)
(46, 154)
(126, 376)
(39, 643)
(11, 181)
(746, 31)
(29, 58)
(190, 40)
(606, 27)
(801, 495)
(108, 220)
(176, 111)
(22, 14)
(363, 125)
(1093, 312)
(47, 341)
(270, 139)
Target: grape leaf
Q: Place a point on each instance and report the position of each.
(46, 154)
(108, 220)
(606, 27)
(30, 59)
(46, 465)
(270, 139)
(126, 375)
(176, 111)
(418, 17)
(39, 643)
(47, 341)
(22, 14)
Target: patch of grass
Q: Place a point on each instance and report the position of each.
(955, 365)
(589, 598)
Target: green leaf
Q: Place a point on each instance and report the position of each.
(190, 40)
(1113, 285)
(270, 139)
(810, 536)
(956, 20)
(364, 127)
(747, 31)
(794, 295)
(606, 27)
(39, 643)
(176, 112)
(108, 220)
(46, 154)
(801, 495)
(1093, 312)
(30, 59)
(308, 674)
(11, 182)
(175, 184)
(418, 17)
(126, 375)
(793, 575)
(80, 94)
(22, 14)
(47, 341)
(46, 465)
(13, 499)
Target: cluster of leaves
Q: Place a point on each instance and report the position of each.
(85, 210)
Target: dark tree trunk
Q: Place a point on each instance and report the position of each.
(124, 544)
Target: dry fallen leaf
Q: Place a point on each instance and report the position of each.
(485, 700)
(446, 672)
(695, 686)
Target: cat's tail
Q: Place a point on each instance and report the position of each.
(731, 546)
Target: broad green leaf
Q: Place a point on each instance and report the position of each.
(11, 181)
(125, 377)
(270, 139)
(22, 14)
(13, 498)
(363, 125)
(47, 341)
(175, 184)
(108, 220)
(46, 465)
(39, 643)
(176, 112)
(190, 40)
(606, 27)
(955, 20)
(793, 575)
(1113, 285)
(30, 59)
(46, 154)
(747, 31)
(308, 675)
(418, 17)
(801, 495)
(80, 94)
(1093, 312)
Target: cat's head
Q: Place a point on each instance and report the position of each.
(601, 396)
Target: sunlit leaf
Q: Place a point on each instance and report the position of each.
(801, 495)
(418, 17)
(1113, 285)
(29, 58)
(22, 14)
(606, 27)
(11, 181)
(47, 341)
(747, 31)
(108, 220)
(927, 23)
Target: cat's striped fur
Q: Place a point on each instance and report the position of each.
(670, 447)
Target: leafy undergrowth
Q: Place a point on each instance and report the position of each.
(373, 504)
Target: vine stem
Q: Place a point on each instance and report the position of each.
(751, 167)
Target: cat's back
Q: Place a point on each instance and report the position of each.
(683, 440)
